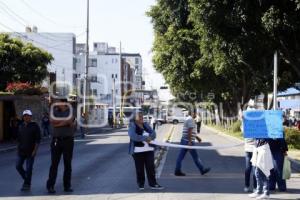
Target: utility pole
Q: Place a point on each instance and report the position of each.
(114, 76)
(275, 80)
(86, 85)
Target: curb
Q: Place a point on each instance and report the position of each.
(294, 163)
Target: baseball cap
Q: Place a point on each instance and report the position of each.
(27, 112)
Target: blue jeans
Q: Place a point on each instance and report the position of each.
(262, 182)
(26, 174)
(276, 173)
(194, 155)
(248, 170)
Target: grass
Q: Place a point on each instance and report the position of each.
(292, 135)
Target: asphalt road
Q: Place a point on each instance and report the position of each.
(102, 169)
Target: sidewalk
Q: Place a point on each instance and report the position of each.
(11, 146)
(294, 155)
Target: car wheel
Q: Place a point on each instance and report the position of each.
(175, 121)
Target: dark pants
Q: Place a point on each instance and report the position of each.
(61, 147)
(82, 131)
(26, 174)
(145, 160)
(198, 126)
(194, 155)
(46, 131)
(248, 170)
(276, 173)
(154, 126)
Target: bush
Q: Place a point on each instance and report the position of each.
(292, 137)
(236, 126)
(23, 88)
(13, 87)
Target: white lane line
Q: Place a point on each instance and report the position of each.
(163, 160)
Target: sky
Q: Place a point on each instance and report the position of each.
(111, 21)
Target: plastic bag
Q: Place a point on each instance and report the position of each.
(286, 173)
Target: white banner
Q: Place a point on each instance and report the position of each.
(165, 144)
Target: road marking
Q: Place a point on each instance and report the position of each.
(164, 158)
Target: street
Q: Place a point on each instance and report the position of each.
(102, 169)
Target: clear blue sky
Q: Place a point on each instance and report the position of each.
(110, 21)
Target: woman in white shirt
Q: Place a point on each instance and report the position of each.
(141, 134)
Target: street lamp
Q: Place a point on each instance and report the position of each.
(114, 77)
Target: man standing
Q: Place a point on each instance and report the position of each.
(45, 125)
(62, 143)
(28, 137)
(189, 136)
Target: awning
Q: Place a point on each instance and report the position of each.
(289, 104)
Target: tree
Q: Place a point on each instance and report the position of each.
(21, 62)
(226, 46)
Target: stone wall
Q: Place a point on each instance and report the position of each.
(34, 103)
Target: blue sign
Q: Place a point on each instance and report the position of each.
(263, 124)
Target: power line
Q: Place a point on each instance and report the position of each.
(42, 15)
(12, 16)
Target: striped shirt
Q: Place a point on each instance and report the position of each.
(189, 123)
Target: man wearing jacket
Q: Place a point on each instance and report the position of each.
(28, 137)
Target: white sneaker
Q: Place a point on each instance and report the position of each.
(254, 195)
(247, 189)
(263, 196)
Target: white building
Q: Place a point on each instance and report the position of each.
(62, 48)
(105, 67)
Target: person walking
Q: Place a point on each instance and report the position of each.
(141, 134)
(62, 144)
(83, 122)
(28, 137)
(153, 122)
(189, 136)
(45, 125)
(198, 122)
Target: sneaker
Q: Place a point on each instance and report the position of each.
(206, 170)
(51, 190)
(254, 195)
(247, 189)
(157, 187)
(25, 188)
(141, 187)
(263, 196)
(179, 173)
(68, 190)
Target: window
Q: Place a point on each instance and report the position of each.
(74, 63)
(93, 62)
(95, 92)
(94, 79)
(136, 61)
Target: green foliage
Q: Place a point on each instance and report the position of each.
(21, 62)
(292, 137)
(226, 47)
(236, 126)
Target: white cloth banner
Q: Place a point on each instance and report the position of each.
(165, 144)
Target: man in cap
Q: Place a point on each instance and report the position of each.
(28, 138)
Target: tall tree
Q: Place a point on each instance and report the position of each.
(21, 61)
